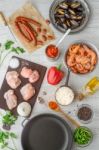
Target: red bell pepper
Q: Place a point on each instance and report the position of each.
(55, 75)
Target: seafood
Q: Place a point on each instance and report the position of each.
(69, 14)
(63, 5)
(71, 61)
(75, 5)
(80, 58)
(72, 12)
(74, 23)
(91, 54)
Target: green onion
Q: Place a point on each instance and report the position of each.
(82, 136)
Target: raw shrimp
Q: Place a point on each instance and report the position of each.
(71, 61)
(81, 59)
(87, 66)
(92, 54)
(74, 49)
(84, 71)
(74, 69)
(79, 67)
(82, 51)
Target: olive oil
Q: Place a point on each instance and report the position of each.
(93, 85)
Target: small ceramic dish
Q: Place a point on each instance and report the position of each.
(52, 58)
(87, 13)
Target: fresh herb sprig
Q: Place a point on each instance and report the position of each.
(9, 118)
(5, 137)
(8, 44)
(17, 50)
(9, 48)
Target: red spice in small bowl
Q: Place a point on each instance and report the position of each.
(52, 52)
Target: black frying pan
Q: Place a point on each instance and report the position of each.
(47, 132)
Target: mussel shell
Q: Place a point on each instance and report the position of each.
(65, 26)
(61, 11)
(81, 9)
(58, 15)
(58, 9)
(62, 25)
(74, 23)
(71, 11)
(80, 13)
(58, 22)
(67, 15)
(62, 20)
(80, 17)
(68, 23)
(75, 5)
(63, 5)
(73, 17)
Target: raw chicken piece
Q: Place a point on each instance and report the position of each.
(11, 99)
(13, 80)
(27, 91)
(26, 72)
(34, 77)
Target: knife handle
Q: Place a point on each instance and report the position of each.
(2, 19)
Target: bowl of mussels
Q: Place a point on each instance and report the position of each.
(69, 14)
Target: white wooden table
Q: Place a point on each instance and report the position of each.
(91, 33)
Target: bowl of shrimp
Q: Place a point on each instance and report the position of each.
(81, 57)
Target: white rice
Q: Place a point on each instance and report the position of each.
(64, 95)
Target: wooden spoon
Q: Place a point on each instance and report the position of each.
(58, 109)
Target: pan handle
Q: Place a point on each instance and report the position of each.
(24, 121)
(68, 76)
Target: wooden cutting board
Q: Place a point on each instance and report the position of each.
(5, 87)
